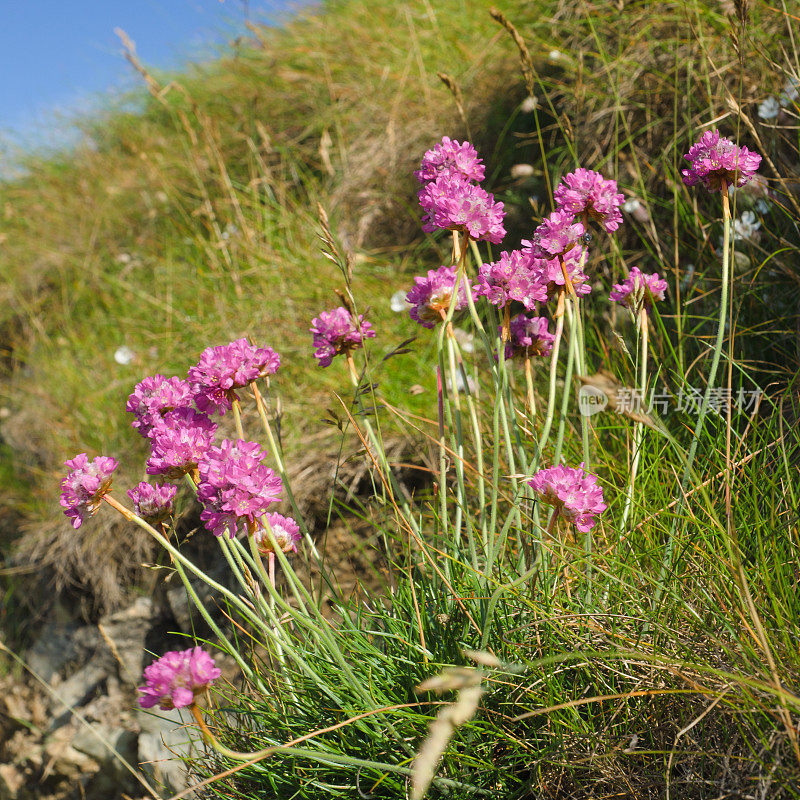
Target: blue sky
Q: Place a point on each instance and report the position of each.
(60, 57)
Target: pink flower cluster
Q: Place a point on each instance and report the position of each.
(337, 332)
(153, 503)
(528, 337)
(717, 163)
(639, 290)
(512, 277)
(285, 530)
(84, 486)
(155, 396)
(573, 493)
(178, 442)
(555, 236)
(177, 678)
(588, 193)
(223, 369)
(451, 197)
(432, 294)
(235, 488)
(550, 271)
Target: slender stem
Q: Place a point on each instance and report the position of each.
(551, 397)
(529, 385)
(237, 418)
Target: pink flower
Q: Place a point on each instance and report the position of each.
(235, 488)
(285, 530)
(511, 278)
(153, 397)
(557, 234)
(451, 158)
(529, 337)
(223, 369)
(718, 163)
(638, 290)
(337, 332)
(178, 442)
(177, 678)
(572, 492)
(585, 191)
(153, 503)
(550, 273)
(433, 294)
(452, 203)
(84, 486)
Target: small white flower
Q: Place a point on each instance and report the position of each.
(554, 55)
(791, 91)
(769, 108)
(522, 171)
(529, 104)
(124, 355)
(398, 302)
(745, 227)
(629, 206)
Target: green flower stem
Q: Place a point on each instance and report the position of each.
(567, 395)
(531, 395)
(237, 418)
(551, 396)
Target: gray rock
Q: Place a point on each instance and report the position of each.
(125, 632)
(75, 691)
(162, 741)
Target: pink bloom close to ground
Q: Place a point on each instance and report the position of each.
(177, 678)
(511, 278)
(573, 492)
(235, 488)
(336, 332)
(529, 337)
(153, 397)
(285, 530)
(223, 369)
(557, 234)
(84, 486)
(639, 290)
(449, 157)
(178, 442)
(586, 191)
(432, 294)
(716, 162)
(153, 503)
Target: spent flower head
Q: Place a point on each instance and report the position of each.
(336, 332)
(84, 486)
(285, 531)
(529, 337)
(587, 192)
(178, 442)
(639, 290)
(557, 234)
(511, 278)
(449, 157)
(573, 493)
(177, 679)
(153, 397)
(223, 369)
(153, 503)
(716, 162)
(432, 294)
(454, 204)
(235, 488)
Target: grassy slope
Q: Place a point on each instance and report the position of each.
(194, 222)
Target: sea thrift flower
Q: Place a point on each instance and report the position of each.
(572, 492)
(433, 294)
(452, 203)
(84, 486)
(177, 679)
(153, 397)
(587, 192)
(153, 503)
(223, 369)
(338, 332)
(556, 235)
(235, 488)
(178, 442)
(451, 158)
(717, 163)
(528, 337)
(639, 290)
(549, 272)
(285, 530)
(511, 278)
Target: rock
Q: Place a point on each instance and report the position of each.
(53, 649)
(63, 760)
(113, 776)
(76, 690)
(125, 633)
(162, 742)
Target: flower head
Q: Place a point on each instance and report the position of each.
(84, 486)
(235, 488)
(336, 332)
(511, 278)
(639, 290)
(586, 191)
(549, 272)
(153, 397)
(177, 678)
(432, 294)
(451, 158)
(223, 369)
(717, 163)
(528, 337)
(153, 503)
(572, 492)
(285, 531)
(557, 234)
(454, 204)
(178, 442)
